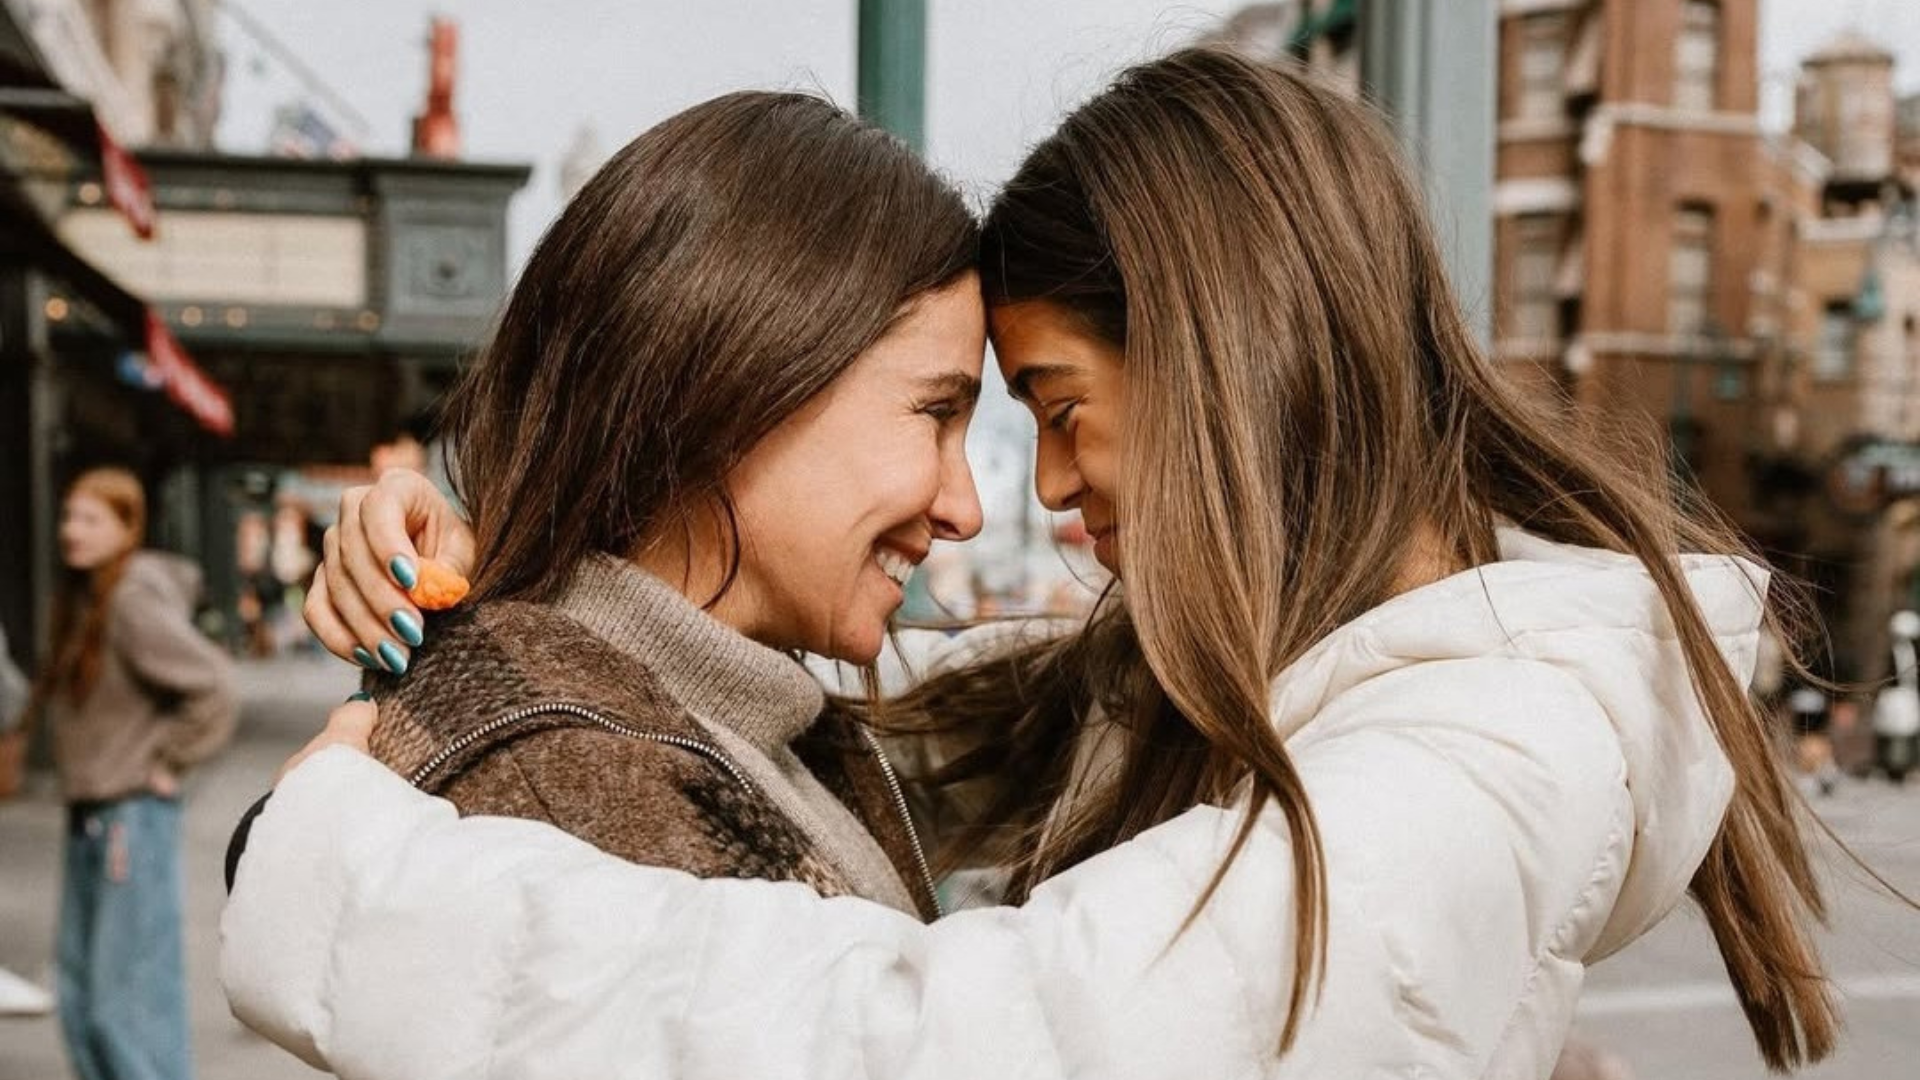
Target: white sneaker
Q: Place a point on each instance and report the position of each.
(18, 997)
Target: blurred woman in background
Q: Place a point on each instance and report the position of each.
(134, 696)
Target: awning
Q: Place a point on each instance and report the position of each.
(29, 235)
(168, 368)
(182, 380)
(30, 91)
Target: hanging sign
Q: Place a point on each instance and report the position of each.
(185, 383)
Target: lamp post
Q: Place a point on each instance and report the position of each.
(1434, 73)
(893, 67)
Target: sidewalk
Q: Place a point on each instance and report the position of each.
(284, 702)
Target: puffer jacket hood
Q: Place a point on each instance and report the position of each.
(1597, 616)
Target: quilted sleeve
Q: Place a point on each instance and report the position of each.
(398, 942)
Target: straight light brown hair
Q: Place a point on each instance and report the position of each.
(708, 281)
(1304, 401)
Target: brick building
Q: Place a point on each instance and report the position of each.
(1856, 381)
(1661, 257)
(1643, 220)
(1746, 296)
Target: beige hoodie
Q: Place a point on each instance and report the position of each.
(165, 695)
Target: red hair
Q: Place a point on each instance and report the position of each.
(79, 634)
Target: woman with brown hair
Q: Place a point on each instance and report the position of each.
(134, 696)
(1410, 702)
(722, 418)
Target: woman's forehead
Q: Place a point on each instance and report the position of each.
(1035, 340)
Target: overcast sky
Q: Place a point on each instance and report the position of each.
(533, 73)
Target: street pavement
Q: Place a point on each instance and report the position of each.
(285, 702)
(1662, 1005)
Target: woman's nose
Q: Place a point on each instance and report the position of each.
(1056, 478)
(956, 511)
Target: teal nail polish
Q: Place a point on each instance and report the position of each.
(401, 568)
(395, 660)
(359, 695)
(365, 659)
(408, 629)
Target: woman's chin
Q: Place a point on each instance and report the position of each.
(861, 649)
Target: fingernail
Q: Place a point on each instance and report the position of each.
(359, 695)
(395, 660)
(408, 629)
(365, 659)
(401, 568)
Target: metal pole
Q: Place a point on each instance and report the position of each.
(45, 409)
(893, 67)
(1431, 66)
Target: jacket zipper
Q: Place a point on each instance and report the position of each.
(449, 751)
(906, 818)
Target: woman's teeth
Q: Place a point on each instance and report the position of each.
(896, 566)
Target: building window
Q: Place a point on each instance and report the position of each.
(1690, 272)
(1834, 360)
(1696, 57)
(1543, 56)
(1536, 259)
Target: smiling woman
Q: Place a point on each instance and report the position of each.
(840, 502)
(722, 418)
(1073, 384)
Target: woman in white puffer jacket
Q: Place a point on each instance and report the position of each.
(1358, 778)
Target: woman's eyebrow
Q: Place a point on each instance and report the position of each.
(1021, 385)
(960, 386)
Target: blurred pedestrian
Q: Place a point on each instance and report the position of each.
(290, 562)
(133, 696)
(18, 997)
(14, 693)
(260, 592)
(1809, 715)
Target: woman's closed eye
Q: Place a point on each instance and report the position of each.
(1054, 415)
(943, 410)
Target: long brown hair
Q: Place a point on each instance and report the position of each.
(1251, 242)
(77, 647)
(717, 273)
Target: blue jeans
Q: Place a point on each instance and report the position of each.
(122, 983)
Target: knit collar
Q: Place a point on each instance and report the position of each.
(710, 669)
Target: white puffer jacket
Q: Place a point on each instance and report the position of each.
(1512, 779)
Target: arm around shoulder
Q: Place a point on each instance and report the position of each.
(536, 940)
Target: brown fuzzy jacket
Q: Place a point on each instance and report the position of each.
(517, 709)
